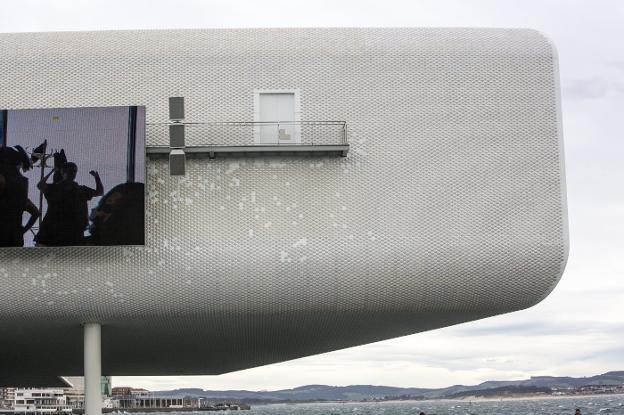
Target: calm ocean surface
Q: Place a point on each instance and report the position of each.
(613, 404)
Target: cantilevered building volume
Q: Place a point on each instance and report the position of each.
(332, 187)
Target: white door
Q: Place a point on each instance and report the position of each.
(278, 107)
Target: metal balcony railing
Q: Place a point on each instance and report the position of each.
(254, 136)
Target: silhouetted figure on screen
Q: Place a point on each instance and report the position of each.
(59, 161)
(39, 152)
(66, 219)
(577, 412)
(14, 197)
(119, 218)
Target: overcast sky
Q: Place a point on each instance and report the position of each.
(579, 329)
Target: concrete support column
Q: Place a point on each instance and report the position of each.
(92, 368)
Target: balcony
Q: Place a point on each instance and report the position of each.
(210, 138)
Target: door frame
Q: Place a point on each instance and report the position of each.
(256, 110)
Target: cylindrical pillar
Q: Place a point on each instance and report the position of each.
(92, 368)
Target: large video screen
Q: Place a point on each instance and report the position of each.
(72, 177)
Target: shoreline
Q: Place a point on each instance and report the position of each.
(531, 397)
(463, 399)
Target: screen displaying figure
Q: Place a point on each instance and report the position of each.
(72, 177)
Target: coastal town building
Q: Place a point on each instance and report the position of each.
(77, 383)
(154, 402)
(40, 400)
(7, 395)
(129, 391)
(125, 397)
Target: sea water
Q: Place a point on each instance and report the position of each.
(589, 405)
(612, 404)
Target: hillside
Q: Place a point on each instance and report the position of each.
(536, 384)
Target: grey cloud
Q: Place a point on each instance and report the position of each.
(536, 328)
(591, 88)
(617, 65)
(612, 353)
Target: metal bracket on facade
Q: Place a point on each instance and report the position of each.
(177, 142)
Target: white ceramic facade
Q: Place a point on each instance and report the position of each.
(450, 206)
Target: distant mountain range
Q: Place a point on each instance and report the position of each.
(315, 393)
